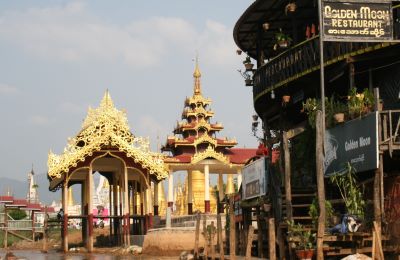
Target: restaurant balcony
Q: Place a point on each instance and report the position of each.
(303, 59)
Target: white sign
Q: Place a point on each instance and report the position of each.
(254, 183)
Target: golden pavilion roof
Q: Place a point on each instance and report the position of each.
(105, 126)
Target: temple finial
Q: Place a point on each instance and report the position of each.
(107, 101)
(197, 75)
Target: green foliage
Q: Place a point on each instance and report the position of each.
(247, 60)
(301, 238)
(350, 192)
(35, 186)
(359, 103)
(332, 107)
(17, 214)
(313, 212)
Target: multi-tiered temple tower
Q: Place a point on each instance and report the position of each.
(195, 148)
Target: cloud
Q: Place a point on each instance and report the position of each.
(6, 89)
(71, 33)
(39, 120)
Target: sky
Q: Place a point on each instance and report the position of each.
(58, 57)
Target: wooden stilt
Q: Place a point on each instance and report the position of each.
(212, 236)
(271, 239)
(288, 186)
(220, 241)
(196, 236)
(249, 242)
(259, 234)
(205, 236)
(45, 231)
(65, 218)
(89, 192)
(232, 239)
(320, 185)
(5, 228)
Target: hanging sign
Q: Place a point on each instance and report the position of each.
(357, 20)
(354, 142)
(254, 183)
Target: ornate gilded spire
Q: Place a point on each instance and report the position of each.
(107, 101)
(197, 76)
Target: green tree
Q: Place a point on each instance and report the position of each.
(17, 214)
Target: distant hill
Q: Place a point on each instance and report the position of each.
(19, 189)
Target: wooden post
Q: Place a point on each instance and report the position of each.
(44, 249)
(232, 239)
(196, 237)
(271, 239)
(320, 185)
(65, 217)
(33, 225)
(205, 236)
(378, 241)
(89, 192)
(259, 234)
(288, 187)
(220, 241)
(5, 227)
(249, 242)
(212, 236)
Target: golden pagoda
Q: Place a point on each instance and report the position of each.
(196, 149)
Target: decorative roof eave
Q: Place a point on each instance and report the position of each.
(205, 138)
(198, 99)
(209, 153)
(153, 162)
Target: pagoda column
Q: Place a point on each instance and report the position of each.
(230, 187)
(141, 199)
(190, 193)
(171, 190)
(220, 193)
(206, 189)
(89, 193)
(156, 198)
(239, 178)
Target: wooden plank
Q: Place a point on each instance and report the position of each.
(205, 236)
(249, 242)
(20, 236)
(288, 187)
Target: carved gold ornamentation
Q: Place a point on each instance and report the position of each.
(106, 126)
(209, 153)
(205, 138)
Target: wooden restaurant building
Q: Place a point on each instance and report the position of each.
(105, 145)
(361, 78)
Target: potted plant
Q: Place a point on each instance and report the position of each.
(349, 190)
(286, 98)
(247, 63)
(313, 212)
(360, 103)
(301, 239)
(290, 7)
(310, 107)
(339, 110)
(282, 40)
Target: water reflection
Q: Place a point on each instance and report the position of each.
(27, 254)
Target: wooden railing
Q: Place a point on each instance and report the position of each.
(303, 59)
(390, 130)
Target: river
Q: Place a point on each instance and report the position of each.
(37, 255)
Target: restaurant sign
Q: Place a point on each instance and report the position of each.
(254, 182)
(354, 142)
(357, 20)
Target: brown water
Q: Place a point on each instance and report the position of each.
(36, 255)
